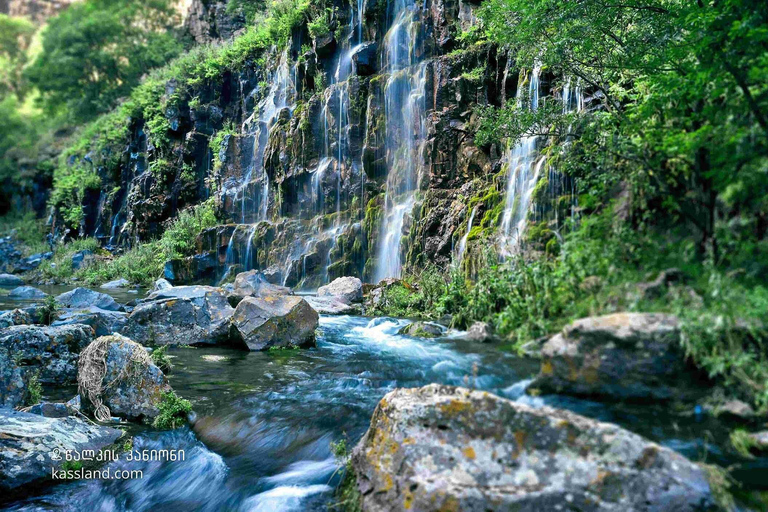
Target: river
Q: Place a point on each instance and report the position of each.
(266, 419)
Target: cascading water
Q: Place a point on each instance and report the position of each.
(463, 242)
(525, 166)
(405, 111)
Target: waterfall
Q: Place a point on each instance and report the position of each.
(405, 111)
(463, 242)
(525, 166)
(280, 95)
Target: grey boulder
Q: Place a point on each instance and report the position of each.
(254, 284)
(27, 292)
(10, 280)
(330, 306)
(117, 283)
(81, 298)
(102, 321)
(446, 448)
(423, 330)
(29, 443)
(624, 356)
(283, 321)
(181, 315)
(15, 317)
(345, 289)
(132, 385)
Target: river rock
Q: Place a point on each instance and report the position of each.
(422, 330)
(161, 284)
(330, 306)
(624, 356)
(10, 280)
(27, 292)
(28, 441)
(480, 332)
(117, 283)
(82, 298)
(346, 289)
(181, 315)
(283, 321)
(82, 259)
(49, 409)
(132, 386)
(51, 351)
(15, 317)
(102, 321)
(254, 284)
(446, 448)
(658, 287)
(760, 440)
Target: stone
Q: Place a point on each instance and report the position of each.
(82, 259)
(117, 283)
(193, 269)
(330, 306)
(365, 59)
(346, 289)
(10, 280)
(102, 321)
(52, 352)
(283, 321)
(481, 332)
(15, 317)
(161, 284)
(132, 386)
(273, 274)
(181, 315)
(760, 440)
(422, 330)
(325, 45)
(446, 448)
(29, 441)
(254, 284)
(624, 356)
(27, 292)
(734, 408)
(50, 410)
(82, 298)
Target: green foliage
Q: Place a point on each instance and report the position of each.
(59, 267)
(49, 310)
(173, 412)
(743, 443)
(476, 75)
(680, 112)
(96, 51)
(34, 389)
(340, 449)
(15, 38)
(319, 26)
(29, 231)
(160, 358)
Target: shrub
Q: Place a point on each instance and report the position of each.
(49, 310)
(34, 389)
(173, 412)
(161, 359)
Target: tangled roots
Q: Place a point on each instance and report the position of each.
(92, 368)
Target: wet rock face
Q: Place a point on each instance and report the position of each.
(345, 289)
(181, 315)
(82, 298)
(132, 386)
(262, 323)
(51, 351)
(446, 448)
(23, 462)
(624, 356)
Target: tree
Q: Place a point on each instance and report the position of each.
(96, 51)
(15, 37)
(682, 93)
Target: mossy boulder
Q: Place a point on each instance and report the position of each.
(447, 448)
(422, 330)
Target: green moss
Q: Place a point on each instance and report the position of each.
(34, 389)
(348, 497)
(173, 412)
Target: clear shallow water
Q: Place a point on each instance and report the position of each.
(266, 419)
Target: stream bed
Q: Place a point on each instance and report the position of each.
(266, 420)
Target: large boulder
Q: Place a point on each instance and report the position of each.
(10, 280)
(29, 444)
(82, 298)
(254, 284)
(346, 289)
(117, 283)
(51, 352)
(15, 317)
(446, 448)
(131, 387)
(423, 330)
(283, 321)
(26, 293)
(102, 321)
(181, 315)
(624, 356)
(330, 306)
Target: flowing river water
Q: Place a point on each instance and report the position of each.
(266, 419)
